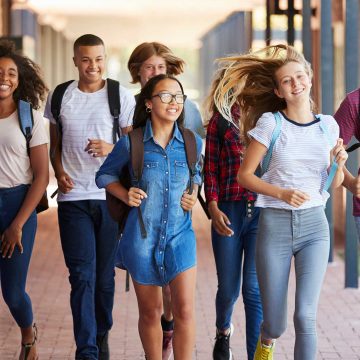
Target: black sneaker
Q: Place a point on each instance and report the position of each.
(222, 350)
(102, 342)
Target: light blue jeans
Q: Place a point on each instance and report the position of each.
(282, 235)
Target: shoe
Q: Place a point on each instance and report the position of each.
(167, 348)
(102, 342)
(26, 348)
(264, 352)
(222, 350)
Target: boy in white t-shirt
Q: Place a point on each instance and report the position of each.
(89, 237)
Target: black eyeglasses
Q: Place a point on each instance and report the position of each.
(167, 98)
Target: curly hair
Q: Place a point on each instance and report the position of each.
(249, 80)
(140, 113)
(31, 86)
(144, 51)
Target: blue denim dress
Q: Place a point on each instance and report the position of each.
(170, 245)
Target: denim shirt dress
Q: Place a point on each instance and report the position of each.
(170, 245)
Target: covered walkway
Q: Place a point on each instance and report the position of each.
(339, 311)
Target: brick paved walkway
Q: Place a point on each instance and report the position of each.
(338, 325)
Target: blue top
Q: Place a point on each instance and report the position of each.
(193, 120)
(170, 246)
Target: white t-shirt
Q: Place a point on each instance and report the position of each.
(15, 166)
(86, 116)
(300, 158)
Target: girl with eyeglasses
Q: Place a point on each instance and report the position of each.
(167, 256)
(146, 61)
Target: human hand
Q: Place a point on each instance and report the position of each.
(294, 197)
(98, 147)
(188, 201)
(219, 219)
(65, 184)
(339, 153)
(9, 239)
(135, 196)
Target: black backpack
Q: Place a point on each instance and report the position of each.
(113, 99)
(113, 91)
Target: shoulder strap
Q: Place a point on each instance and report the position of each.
(137, 152)
(326, 132)
(275, 135)
(137, 161)
(113, 90)
(223, 125)
(26, 121)
(334, 166)
(56, 100)
(191, 154)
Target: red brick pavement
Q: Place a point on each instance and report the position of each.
(338, 325)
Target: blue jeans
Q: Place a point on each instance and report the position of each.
(284, 234)
(89, 239)
(229, 254)
(13, 271)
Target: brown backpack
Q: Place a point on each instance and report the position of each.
(118, 209)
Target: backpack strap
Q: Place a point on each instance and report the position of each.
(56, 101)
(334, 165)
(191, 154)
(137, 162)
(113, 90)
(276, 132)
(353, 147)
(223, 125)
(26, 121)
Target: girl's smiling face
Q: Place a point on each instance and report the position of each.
(169, 111)
(9, 77)
(293, 82)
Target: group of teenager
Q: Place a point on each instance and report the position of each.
(269, 161)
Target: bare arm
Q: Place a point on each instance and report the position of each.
(340, 157)
(247, 178)
(39, 161)
(100, 148)
(65, 183)
(131, 197)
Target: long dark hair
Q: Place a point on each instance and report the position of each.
(140, 114)
(31, 86)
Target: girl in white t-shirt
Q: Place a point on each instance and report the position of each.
(24, 175)
(275, 83)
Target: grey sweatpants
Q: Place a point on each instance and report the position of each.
(304, 235)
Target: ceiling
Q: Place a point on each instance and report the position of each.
(121, 23)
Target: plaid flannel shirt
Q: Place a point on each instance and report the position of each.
(222, 163)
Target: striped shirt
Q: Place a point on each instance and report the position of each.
(86, 116)
(348, 118)
(300, 158)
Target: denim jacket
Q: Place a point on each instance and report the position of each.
(170, 246)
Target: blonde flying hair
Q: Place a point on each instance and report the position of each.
(144, 51)
(249, 80)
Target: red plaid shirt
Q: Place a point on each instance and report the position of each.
(222, 165)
